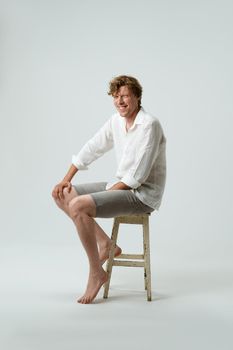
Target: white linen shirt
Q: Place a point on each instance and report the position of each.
(140, 154)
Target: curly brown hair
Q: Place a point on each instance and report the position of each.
(126, 80)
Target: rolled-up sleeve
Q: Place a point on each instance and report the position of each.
(99, 144)
(146, 153)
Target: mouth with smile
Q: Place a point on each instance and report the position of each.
(122, 107)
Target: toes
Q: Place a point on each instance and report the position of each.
(84, 300)
(80, 300)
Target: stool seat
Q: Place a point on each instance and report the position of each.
(131, 260)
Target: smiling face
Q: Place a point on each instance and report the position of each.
(126, 102)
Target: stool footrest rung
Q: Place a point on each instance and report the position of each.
(128, 263)
(131, 256)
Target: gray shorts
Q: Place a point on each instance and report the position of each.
(110, 204)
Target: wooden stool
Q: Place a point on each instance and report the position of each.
(131, 260)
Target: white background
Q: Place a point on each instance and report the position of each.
(57, 58)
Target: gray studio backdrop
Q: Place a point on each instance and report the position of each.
(57, 58)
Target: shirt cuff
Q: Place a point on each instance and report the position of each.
(130, 181)
(78, 164)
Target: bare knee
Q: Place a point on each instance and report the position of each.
(75, 207)
(67, 196)
(82, 205)
(63, 203)
(60, 203)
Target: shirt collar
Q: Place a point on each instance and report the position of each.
(138, 119)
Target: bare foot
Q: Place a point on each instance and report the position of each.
(93, 286)
(104, 252)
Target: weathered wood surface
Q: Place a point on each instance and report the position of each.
(131, 260)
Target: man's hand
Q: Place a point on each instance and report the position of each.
(57, 192)
(58, 189)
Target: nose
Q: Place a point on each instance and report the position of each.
(121, 99)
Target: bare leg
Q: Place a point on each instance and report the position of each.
(104, 244)
(81, 211)
(103, 240)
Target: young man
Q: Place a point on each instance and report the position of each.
(139, 144)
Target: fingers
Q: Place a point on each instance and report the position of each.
(54, 193)
(58, 190)
(69, 187)
(60, 193)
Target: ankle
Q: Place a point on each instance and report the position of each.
(105, 244)
(97, 273)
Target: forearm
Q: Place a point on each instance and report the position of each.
(119, 186)
(70, 174)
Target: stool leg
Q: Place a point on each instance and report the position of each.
(147, 256)
(144, 254)
(111, 255)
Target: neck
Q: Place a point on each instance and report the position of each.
(131, 118)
